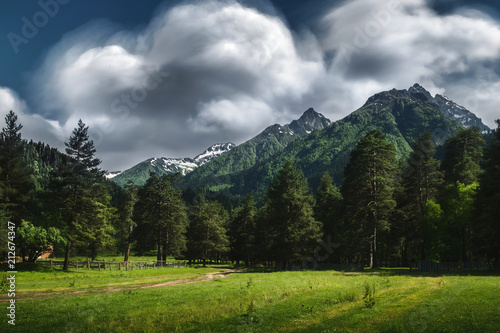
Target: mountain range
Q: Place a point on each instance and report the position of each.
(316, 144)
(140, 173)
(270, 141)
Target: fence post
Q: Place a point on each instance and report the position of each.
(88, 263)
(50, 263)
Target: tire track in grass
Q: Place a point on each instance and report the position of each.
(39, 295)
(392, 309)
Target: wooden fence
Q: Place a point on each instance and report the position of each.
(113, 265)
(454, 266)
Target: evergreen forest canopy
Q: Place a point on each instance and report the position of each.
(397, 203)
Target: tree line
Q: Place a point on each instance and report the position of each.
(386, 212)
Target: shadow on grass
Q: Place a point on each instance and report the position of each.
(30, 267)
(413, 272)
(378, 271)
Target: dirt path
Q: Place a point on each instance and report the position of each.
(37, 295)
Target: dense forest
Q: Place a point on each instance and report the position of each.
(389, 210)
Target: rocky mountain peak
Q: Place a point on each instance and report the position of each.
(418, 89)
(449, 108)
(310, 121)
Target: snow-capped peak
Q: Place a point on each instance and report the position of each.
(213, 151)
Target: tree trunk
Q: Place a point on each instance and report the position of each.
(423, 256)
(66, 257)
(373, 250)
(127, 251)
(158, 253)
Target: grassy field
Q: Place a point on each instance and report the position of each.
(254, 301)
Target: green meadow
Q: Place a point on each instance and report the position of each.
(254, 300)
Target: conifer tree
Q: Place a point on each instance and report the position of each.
(328, 210)
(328, 204)
(291, 226)
(462, 170)
(463, 154)
(207, 235)
(242, 231)
(127, 197)
(486, 226)
(15, 176)
(161, 216)
(81, 197)
(369, 181)
(82, 150)
(421, 183)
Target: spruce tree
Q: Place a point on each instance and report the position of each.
(328, 210)
(291, 226)
(82, 150)
(161, 216)
(486, 226)
(15, 176)
(242, 231)
(207, 233)
(81, 197)
(127, 197)
(369, 181)
(421, 183)
(462, 170)
(463, 154)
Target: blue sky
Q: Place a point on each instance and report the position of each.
(170, 78)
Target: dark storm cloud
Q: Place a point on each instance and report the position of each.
(219, 71)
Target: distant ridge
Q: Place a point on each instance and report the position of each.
(140, 173)
(451, 109)
(400, 114)
(263, 146)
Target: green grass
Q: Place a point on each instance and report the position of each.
(304, 301)
(47, 280)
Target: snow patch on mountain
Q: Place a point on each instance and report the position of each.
(212, 152)
(450, 108)
(187, 165)
(112, 174)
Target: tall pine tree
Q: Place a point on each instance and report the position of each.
(15, 176)
(291, 226)
(161, 216)
(242, 231)
(463, 154)
(127, 197)
(462, 170)
(421, 183)
(328, 211)
(81, 197)
(486, 227)
(207, 233)
(369, 181)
